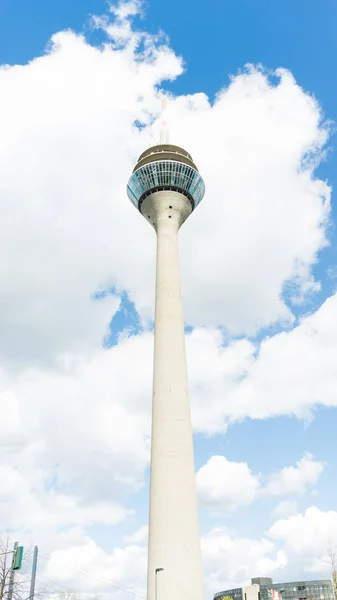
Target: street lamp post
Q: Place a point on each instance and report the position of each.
(156, 582)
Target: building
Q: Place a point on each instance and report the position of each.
(166, 187)
(320, 589)
(265, 589)
(250, 592)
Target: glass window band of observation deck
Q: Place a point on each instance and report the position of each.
(165, 175)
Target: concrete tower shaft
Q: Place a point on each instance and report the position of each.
(164, 205)
(166, 187)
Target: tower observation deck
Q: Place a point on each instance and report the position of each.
(165, 167)
(166, 187)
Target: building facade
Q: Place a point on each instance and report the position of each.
(249, 592)
(263, 588)
(320, 589)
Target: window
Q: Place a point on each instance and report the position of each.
(165, 173)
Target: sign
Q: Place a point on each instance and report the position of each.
(17, 558)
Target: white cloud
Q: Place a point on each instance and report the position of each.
(230, 561)
(225, 485)
(215, 370)
(78, 563)
(66, 223)
(247, 210)
(295, 480)
(26, 504)
(67, 230)
(293, 371)
(120, 573)
(123, 10)
(138, 536)
(89, 422)
(76, 439)
(293, 547)
(286, 508)
(290, 373)
(307, 537)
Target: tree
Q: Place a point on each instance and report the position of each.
(333, 562)
(21, 582)
(68, 595)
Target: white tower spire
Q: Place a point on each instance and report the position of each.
(164, 134)
(166, 187)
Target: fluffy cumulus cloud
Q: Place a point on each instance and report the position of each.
(256, 210)
(225, 485)
(68, 144)
(295, 545)
(293, 371)
(74, 417)
(78, 563)
(292, 548)
(285, 508)
(288, 373)
(308, 537)
(86, 425)
(230, 560)
(68, 232)
(25, 504)
(294, 480)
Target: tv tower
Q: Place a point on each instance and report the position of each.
(166, 187)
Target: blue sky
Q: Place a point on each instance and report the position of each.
(67, 129)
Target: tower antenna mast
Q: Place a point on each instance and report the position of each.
(164, 134)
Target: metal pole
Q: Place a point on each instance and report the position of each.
(33, 577)
(156, 582)
(11, 578)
